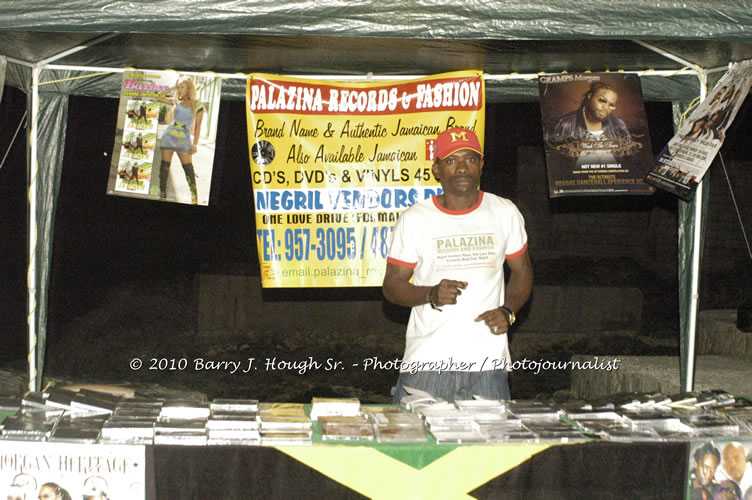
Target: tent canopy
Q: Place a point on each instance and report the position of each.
(78, 47)
(434, 19)
(354, 38)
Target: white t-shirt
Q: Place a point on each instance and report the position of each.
(471, 246)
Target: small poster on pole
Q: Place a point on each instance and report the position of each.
(687, 156)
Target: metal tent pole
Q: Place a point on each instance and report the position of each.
(32, 276)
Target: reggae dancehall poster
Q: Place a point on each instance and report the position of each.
(333, 165)
(164, 144)
(596, 134)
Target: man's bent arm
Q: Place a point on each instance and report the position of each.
(398, 289)
(520, 284)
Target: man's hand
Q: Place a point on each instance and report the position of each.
(496, 320)
(447, 292)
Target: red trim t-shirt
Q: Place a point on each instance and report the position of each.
(469, 245)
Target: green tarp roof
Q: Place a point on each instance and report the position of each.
(352, 38)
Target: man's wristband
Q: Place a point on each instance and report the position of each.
(432, 298)
(511, 318)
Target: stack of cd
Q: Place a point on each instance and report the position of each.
(31, 424)
(398, 427)
(473, 421)
(711, 425)
(182, 422)
(184, 409)
(94, 402)
(180, 431)
(416, 402)
(348, 407)
(350, 428)
(233, 421)
(78, 429)
(132, 422)
(284, 423)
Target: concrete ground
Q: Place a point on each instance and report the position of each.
(722, 362)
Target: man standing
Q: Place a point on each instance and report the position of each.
(446, 261)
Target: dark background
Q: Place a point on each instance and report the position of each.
(102, 242)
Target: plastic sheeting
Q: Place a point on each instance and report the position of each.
(45, 178)
(357, 38)
(470, 19)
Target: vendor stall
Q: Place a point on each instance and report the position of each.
(57, 50)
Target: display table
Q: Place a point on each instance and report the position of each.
(516, 470)
(353, 469)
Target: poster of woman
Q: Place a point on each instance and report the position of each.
(165, 119)
(596, 134)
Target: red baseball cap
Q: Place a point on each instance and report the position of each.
(455, 139)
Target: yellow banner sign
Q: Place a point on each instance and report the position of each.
(333, 165)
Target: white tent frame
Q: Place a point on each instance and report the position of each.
(688, 364)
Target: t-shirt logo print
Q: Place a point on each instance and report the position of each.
(465, 251)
